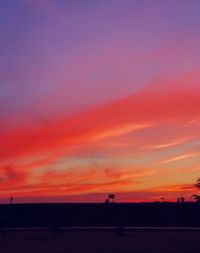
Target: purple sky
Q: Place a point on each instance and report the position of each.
(85, 53)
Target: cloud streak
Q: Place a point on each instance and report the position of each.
(128, 119)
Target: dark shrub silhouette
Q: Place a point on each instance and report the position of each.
(196, 198)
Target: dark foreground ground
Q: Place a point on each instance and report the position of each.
(100, 241)
(132, 214)
(47, 228)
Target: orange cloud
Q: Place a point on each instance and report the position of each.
(131, 118)
(178, 158)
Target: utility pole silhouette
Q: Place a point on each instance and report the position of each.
(11, 200)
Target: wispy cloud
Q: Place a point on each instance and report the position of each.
(179, 157)
(170, 143)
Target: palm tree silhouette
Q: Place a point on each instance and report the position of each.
(195, 196)
(197, 183)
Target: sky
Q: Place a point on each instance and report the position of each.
(99, 97)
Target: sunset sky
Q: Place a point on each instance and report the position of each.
(98, 97)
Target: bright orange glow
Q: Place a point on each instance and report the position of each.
(132, 146)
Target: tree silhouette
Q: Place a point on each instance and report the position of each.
(196, 198)
(198, 183)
